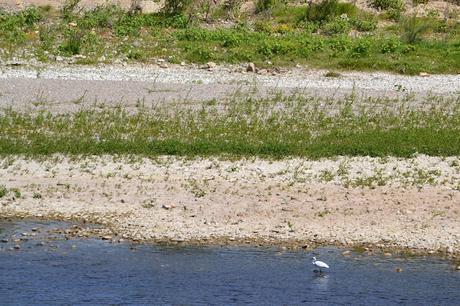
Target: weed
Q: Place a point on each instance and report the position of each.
(326, 175)
(3, 191)
(327, 10)
(387, 4)
(337, 26)
(69, 9)
(72, 43)
(413, 28)
(36, 195)
(16, 192)
(264, 5)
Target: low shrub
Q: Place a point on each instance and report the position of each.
(176, 7)
(327, 10)
(387, 4)
(337, 26)
(364, 25)
(72, 43)
(273, 47)
(361, 48)
(390, 45)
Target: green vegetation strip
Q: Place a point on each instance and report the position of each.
(328, 35)
(276, 127)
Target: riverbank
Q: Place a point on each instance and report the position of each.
(381, 202)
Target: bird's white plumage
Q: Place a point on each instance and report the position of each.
(319, 263)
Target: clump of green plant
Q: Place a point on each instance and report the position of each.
(69, 9)
(364, 24)
(176, 7)
(390, 45)
(14, 25)
(72, 44)
(3, 191)
(47, 37)
(327, 10)
(36, 195)
(232, 8)
(264, 5)
(16, 192)
(393, 8)
(413, 29)
(337, 26)
(387, 4)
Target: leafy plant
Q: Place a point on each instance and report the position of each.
(367, 24)
(337, 26)
(327, 10)
(3, 191)
(387, 4)
(264, 5)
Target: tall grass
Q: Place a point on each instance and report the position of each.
(275, 127)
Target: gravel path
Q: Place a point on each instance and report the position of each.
(65, 88)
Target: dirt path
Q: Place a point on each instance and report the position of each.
(67, 88)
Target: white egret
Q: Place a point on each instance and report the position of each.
(320, 264)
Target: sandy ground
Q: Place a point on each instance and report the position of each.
(256, 201)
(66, 88)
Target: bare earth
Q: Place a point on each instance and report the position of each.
(287, 202)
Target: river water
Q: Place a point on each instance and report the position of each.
(46, 271)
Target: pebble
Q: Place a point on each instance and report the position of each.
(346, 253)
(17, 247)
(251, 67)
(387, 254)
(211, 65)
(398, 269)
(457, 268)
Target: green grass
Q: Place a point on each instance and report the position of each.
(275, 127)
(290, 35)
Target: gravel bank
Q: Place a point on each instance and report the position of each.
(66, 88)
(417, 205)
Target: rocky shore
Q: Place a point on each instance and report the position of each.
(380, 203)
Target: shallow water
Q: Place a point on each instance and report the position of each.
(95, 272)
